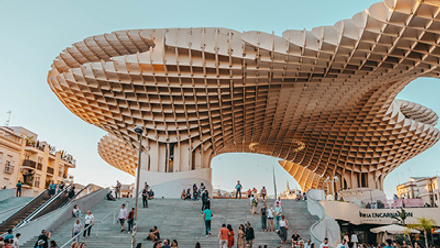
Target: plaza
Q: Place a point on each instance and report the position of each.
(324, 102)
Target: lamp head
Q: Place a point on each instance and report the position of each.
(139, 129)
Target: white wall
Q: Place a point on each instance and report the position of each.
(170, 185)
(355, 215)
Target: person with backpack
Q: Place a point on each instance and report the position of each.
(254, 204)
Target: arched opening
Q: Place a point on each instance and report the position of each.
(253, 170)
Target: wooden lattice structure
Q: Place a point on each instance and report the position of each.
(200, 92)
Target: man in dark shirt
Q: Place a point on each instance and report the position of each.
(145, 197)
(45, 236)
(263, 214)
(295, 238)
(250, 235)
(19, 185)
(72, 192)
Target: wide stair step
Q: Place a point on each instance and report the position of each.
(182, 220)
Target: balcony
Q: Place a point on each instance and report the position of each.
(29, 164)
(39, 166)
(9, 169)
(50, 170)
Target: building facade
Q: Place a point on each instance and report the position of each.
(323, 101)
(23, 157)
(425, 188)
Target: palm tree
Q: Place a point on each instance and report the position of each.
(401, 216)
(424, 224)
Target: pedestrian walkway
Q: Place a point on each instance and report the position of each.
(182, 220)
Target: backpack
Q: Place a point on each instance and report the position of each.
(254, 202)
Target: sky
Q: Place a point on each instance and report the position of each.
(34, 32)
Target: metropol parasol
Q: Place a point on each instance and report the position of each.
(323, 101)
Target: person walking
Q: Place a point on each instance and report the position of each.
(241, 234)
(263, 193)
(238, 188)
(205, 199)
(284, 226)
(270, 219)
(279, 202)
(207, 216)
(223, 236)
(122, 216)
(77, 229)
(250, 235)
(145, 197)
(89, 221)
(52, 188)
(263, 214)
(231, 234)
(18, 192)
(118, 189)
(277, 211)
(130, 220)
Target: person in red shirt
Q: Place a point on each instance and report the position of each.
(223, 236)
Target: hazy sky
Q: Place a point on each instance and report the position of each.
(34, 32)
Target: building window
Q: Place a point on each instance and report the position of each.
(27, 157)
(37, 182)
(9, 160)
(1, 157)
(40, 160)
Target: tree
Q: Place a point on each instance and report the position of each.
(401, 216)
(424, 224)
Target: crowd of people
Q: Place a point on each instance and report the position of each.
(196, 192)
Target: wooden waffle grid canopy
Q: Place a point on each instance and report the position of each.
(218, 90)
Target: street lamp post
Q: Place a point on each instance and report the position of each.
(139, 130)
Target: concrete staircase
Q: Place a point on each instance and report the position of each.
(182, 220)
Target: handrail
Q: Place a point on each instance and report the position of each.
(75, 237)
(97, 226)
(79, 192)
(43, 206)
